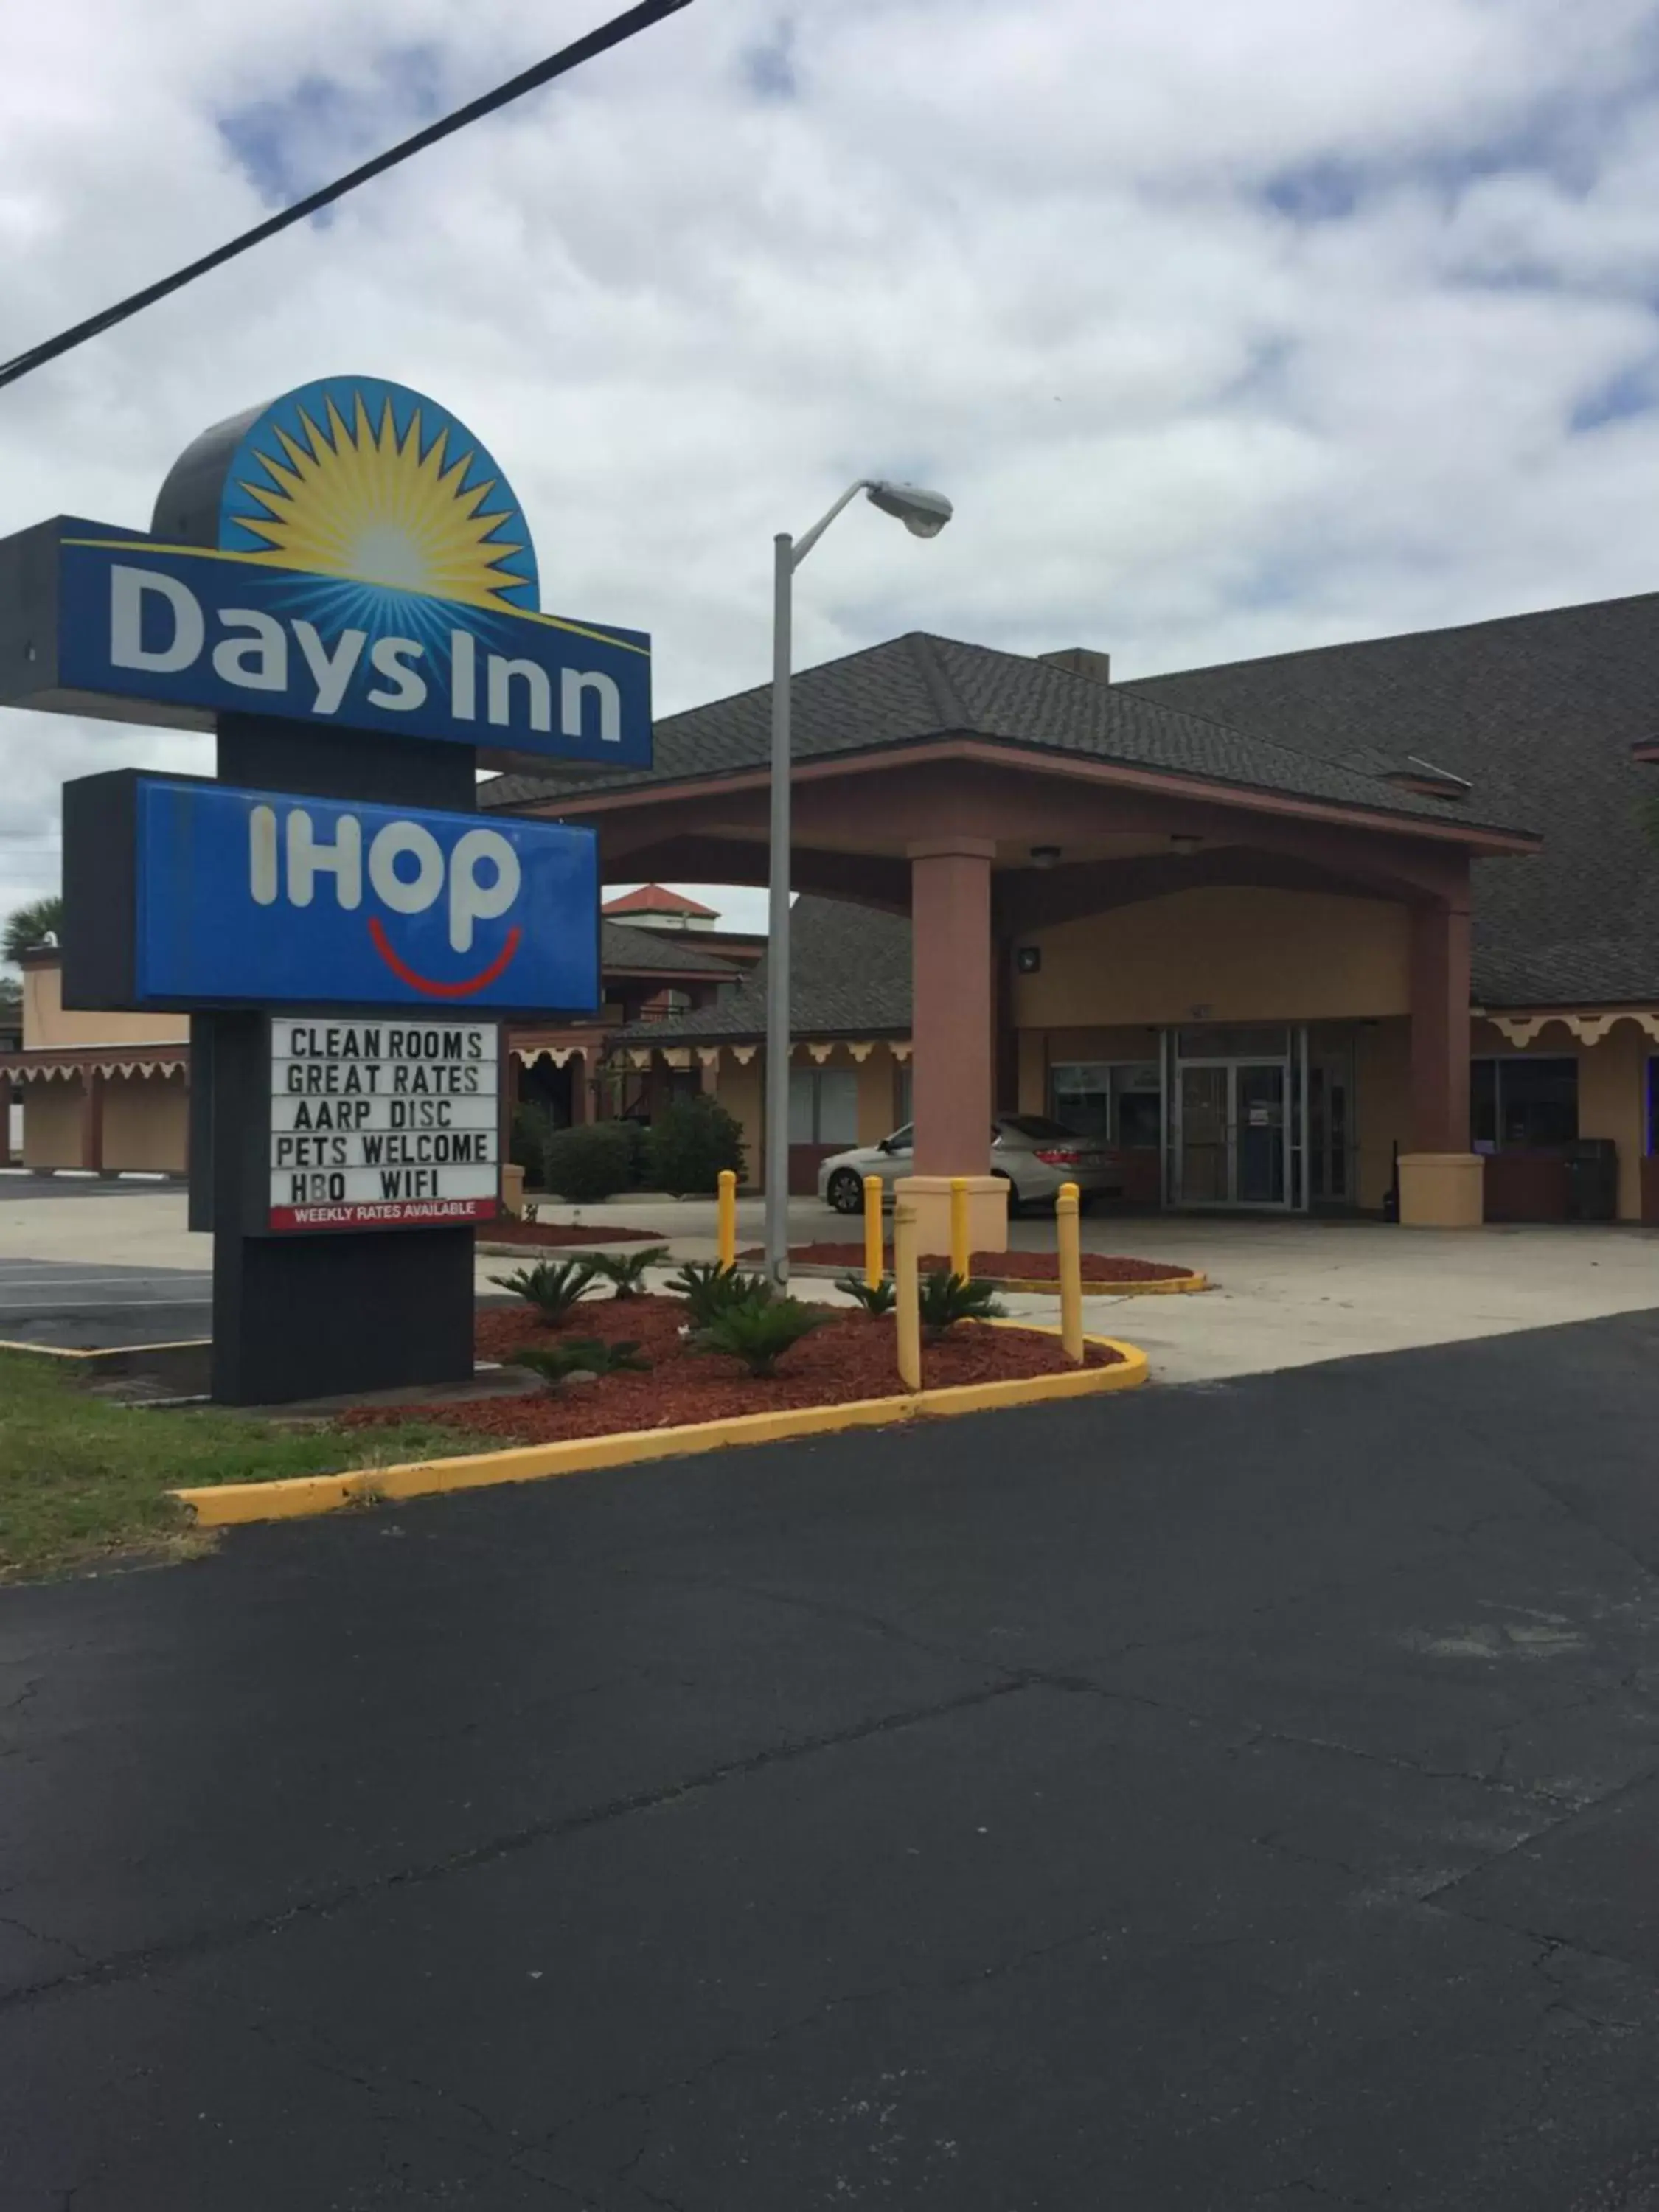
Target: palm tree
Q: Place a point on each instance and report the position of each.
(32, 924)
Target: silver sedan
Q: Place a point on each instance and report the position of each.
(1030, 1152)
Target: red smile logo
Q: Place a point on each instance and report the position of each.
(434, 989)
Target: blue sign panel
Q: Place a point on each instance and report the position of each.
(249, 897)
(209, 630)
(350, 556)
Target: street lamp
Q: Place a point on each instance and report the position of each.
(924, 514)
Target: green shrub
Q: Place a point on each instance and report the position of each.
(638, 1137)
(946, 1299)
(759, 1332)
(532, 1125)
(691, 1140)
(580, 1355)
(875, 1297)
(710, 1289)
(586, 1164)
(553, 1287)
(625, 1271)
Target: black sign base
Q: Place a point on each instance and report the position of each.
(319, 1316)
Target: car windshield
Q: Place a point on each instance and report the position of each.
(901, 1139)
(1040, 1126)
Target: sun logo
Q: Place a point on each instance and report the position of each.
(342, 480)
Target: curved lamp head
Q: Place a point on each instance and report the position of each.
(924, 513)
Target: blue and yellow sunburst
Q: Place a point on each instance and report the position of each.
(355, 478)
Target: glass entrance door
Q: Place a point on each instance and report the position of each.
(1235, 1120)
(1259, 1134)
(1205, 1149)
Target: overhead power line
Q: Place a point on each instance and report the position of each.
(613, 33)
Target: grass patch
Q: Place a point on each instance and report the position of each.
(83, 1481)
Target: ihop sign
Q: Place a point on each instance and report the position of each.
(350, 556)
(217, 896)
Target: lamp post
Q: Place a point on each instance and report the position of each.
(924, 513)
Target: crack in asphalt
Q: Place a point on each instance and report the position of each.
(123, 1965)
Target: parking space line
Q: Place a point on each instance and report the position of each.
(28, 1306)
(68, 1282)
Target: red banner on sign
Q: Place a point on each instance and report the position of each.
(391, 1213)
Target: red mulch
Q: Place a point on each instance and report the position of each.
(511, 1231)
(851, 1357)
(997, 1266)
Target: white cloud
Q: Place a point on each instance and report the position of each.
(1046, 257)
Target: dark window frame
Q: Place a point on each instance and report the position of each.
(1502, 1119)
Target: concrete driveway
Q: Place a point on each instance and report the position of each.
(1225, 1799)
(1287, 1292)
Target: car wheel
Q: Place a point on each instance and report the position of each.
(845, 1191)
(1013, 1191)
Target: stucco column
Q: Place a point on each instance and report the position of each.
(1441, 1180)
(92, 1120)
(953, 1030)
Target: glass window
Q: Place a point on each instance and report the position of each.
(1081, 1094)
(823, 1106)
(1114, 1102)
(1483, 1105)
(838, 1106)
(1140, 1120)
(1220, 1043)
(1522, 1103)
(1039, 1125)
(803, 1100)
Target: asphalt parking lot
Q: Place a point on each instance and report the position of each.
(1238, 1798)
(82, 1305)
(16, 1183)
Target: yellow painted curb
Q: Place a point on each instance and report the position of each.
(224, 1504)
(102, 1351)
(1163, 1286)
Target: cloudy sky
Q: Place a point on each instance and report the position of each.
(1228, 328)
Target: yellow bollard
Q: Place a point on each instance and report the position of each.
(1070, 1272)
(873, 1270)
(728, 1189)
(959, 1226)
(908, 1311)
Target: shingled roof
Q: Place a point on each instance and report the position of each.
(1538, 712)
(849, 975)
(919, 688)
(628, 949)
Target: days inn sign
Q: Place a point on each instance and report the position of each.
(342, 585)
(348, 557)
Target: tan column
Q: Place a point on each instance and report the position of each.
(953, 1029)
(92, 1120)
(1440, 1029)
(1442, 1182)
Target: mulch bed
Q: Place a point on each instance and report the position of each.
(851, 1357)
(996, 1267)
(509, 1231)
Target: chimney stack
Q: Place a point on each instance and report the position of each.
(1081, 660)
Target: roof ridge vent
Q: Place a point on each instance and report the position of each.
(1414, 773)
